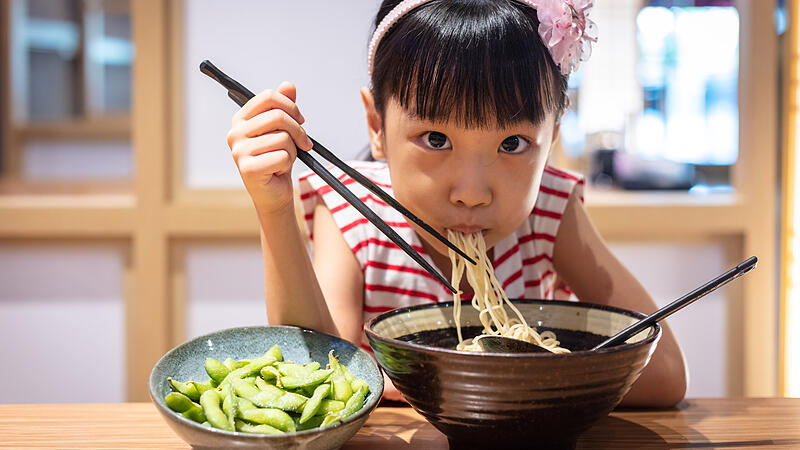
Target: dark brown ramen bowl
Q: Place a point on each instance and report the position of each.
(493, 400)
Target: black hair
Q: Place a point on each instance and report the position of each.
(476, 62)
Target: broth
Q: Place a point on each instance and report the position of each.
(448, 337)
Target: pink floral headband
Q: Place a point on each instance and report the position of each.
(563, 25)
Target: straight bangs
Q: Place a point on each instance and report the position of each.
(477, 63)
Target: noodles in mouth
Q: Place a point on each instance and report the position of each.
(489, 299)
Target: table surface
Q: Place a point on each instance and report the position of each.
(695, 423)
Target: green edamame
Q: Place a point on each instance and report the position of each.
(270, 416)
(275, 352)
(210, 401)
(257, 429)
(329, 406)
(312, 379)
(312, 405)
(354, 403)
(267, 395)
(188, 389)
(313, 422)
(216, 370)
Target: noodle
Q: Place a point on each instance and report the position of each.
(489, 298)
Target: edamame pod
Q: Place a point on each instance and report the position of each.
(187, 389)
(178, 402)
(289, 401)
(275, 352)
(313, 422)
(268, 392)
(270, 416)
(312, 405)
(252, 368)
(216, 370)
(298, 370)
(354, 403)
(257, 429)
(245, 404)
(210, 401)
(195, 413)
(340, 386)
(271, 373)
(229, 362)
(233, 405)
(328, 406)
(261, 384)
(241, 363)
(312, 379)
(201, 387)
(243, 388)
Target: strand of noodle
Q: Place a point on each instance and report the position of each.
(489, 299)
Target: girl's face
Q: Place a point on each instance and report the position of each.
(464, 179)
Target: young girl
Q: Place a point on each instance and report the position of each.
(462, 113)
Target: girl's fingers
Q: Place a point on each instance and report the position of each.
(279, 140)
(287, 88)
(266, 164)
(276, 120)
(266, 100)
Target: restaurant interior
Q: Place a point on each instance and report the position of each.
(125, 228)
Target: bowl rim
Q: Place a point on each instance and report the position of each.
(369, 405)
(654, 336)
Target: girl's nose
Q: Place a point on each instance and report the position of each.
(471, 187)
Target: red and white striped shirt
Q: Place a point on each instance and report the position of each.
(523, 261)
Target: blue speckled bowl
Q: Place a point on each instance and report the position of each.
(186, 362)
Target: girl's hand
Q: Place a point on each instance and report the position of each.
(264, 136)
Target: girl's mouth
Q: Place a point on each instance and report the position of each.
(468, 229)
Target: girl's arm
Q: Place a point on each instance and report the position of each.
(264, 139)
(594, 274)
(293, 294)
(341, 279)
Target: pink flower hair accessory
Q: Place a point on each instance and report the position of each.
(563, 26)
(566, 31)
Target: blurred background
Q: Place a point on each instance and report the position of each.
(125, 229)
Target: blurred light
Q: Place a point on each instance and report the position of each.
(688, 70)
(53, 35)
(111, 51)
(572, 134)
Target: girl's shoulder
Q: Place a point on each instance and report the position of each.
(310, 183)
(312, 190)
(561, 183)
(556, 187)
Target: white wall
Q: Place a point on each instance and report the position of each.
(225, 287)
(62, 323)
(77, 160)
(319, 45)
(669, 271)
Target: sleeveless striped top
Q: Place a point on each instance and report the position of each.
(523, 261)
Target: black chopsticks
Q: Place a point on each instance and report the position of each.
(241, 95)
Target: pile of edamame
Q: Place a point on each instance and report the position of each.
(268, 395)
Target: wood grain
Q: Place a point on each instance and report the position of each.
(701, 423)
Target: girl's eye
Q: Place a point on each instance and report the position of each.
(514, 144)
(436, 140)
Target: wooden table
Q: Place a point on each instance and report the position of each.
(700, 423)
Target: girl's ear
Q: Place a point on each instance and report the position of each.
(374, 125)
(556, 132)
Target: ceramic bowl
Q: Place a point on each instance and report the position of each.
(494, 400)
(186, 361)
